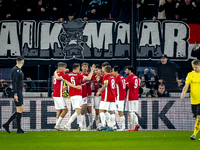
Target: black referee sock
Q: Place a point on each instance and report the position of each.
(19, 115)
(11, 118)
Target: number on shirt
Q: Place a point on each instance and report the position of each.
(136, 83)
(54, 80)
(124, 83)
(73, 81)
(113, 83)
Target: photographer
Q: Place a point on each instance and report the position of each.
(7, 92)
(196, 52)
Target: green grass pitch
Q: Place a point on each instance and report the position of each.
(63, 140)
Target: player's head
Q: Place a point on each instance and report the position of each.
(62, 66)
(161, 88)
(196, 65)
(97, 69)
(84, 67)
(20, 60)
(107, 69)
(76, 67)
(129, 70)
(116, 70)
(103, 65)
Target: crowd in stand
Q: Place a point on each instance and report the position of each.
(63, 9)
(98, 9)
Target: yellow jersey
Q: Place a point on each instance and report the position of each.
(193, 79)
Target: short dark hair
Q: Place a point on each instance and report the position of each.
(129, 68)
(116, 69)
(62, 64)
(20, 58)
(98, 66)
(161, 85)
(108, 69)
(196, 62)
(84, 63)
(75, 65)
(105, 64)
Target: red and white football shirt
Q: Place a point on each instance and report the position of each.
(75, 79)
(133, 91)
(57, 86)
(109, 94)
(88, 85)
(121, 87)
(94, 78)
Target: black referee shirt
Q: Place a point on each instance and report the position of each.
(17, 79)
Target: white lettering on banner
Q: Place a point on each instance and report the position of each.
(9, 38)
(99, 38)
(150, 34)
(28, 33)
(123, 33)
(175, 35)
(49, 36)
(154, 114)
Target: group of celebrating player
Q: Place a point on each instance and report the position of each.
(111, 91)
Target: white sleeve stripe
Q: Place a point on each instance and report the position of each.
(62, 78)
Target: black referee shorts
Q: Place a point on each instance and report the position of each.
(196, 110)
(20, 98)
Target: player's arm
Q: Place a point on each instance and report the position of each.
(91, 73)
(71, 85)
(185, 88)
(103, 87)
(14, 84)
(57, 76)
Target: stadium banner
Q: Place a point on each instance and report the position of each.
(154, 114)
(95, 40)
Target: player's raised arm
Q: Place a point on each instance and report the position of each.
(103, 88)
(185, 88)
(71, 85)
(91, 73)
(57, 76)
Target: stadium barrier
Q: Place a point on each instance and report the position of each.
(154, 114)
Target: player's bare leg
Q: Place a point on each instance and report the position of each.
(90, 116)
(196, 128)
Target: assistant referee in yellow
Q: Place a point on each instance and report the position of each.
(193, 80)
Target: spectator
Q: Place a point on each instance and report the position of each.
(36, 11)
(161, 91)
(53, 9)
(124, 14)
(169, 73)
(115, 9)
(151, 85)
(30, 84)
(98, 10)
(69, 10)
(148, 9)
(25, 87)
(4, 84)
(196, 51)
(83, 11)
(15, 10)
(189, 10)
(170, 8)
(7, 92)
(3, 10)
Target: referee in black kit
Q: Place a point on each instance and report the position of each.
(17, 86)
